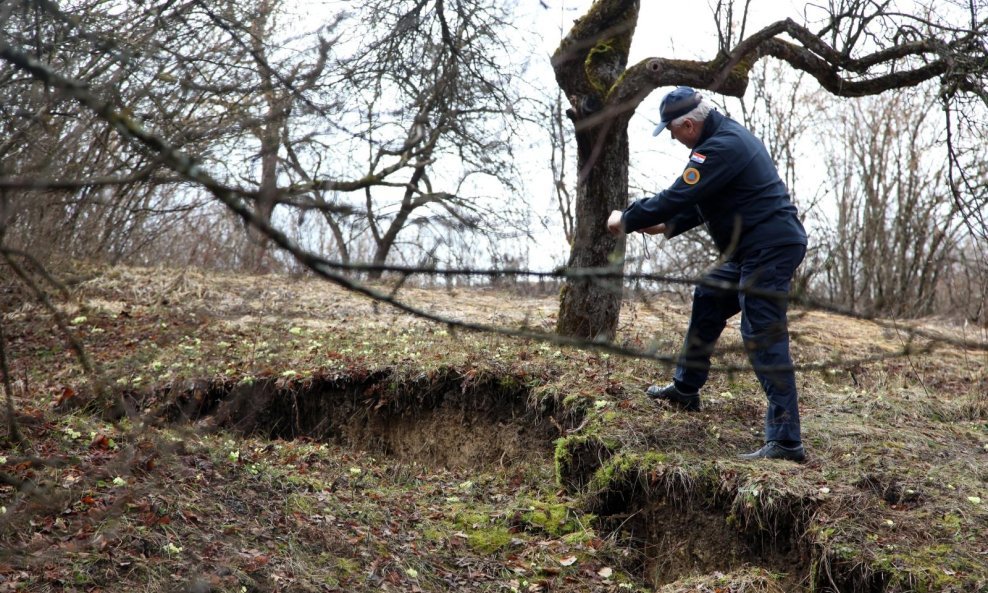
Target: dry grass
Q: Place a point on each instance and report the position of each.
(893, 498)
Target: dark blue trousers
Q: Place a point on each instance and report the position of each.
(763, 329)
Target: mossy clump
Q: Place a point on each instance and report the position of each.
(928, 569)
(299, 503)
(484, 534)
(346, 566)
(466, 520)
(625, 468)
(490, 539)
(578, 402)
(555, 519)
(578, 456)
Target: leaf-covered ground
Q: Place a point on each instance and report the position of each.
(284, 435)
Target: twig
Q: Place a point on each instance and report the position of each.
(74, 344)
(13, 432)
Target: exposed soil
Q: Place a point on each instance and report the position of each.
(449, 424)
(681, 542)
(461, 426)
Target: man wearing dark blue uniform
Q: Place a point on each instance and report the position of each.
(730, 184)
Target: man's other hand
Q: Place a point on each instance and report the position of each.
(658, 229)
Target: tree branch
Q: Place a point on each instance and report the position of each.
(606, 20)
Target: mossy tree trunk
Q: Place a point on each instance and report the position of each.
(588, 64)
(590, 306)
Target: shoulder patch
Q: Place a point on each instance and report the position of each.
(696, 157)
(691, 176)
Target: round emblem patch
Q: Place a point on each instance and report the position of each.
(691, 176)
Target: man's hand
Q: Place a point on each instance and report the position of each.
(614, 224)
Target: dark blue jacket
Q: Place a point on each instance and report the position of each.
(732, 185)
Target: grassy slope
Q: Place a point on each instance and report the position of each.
(894, 497)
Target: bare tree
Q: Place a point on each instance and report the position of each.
(75, 187)
(858, 48)
(962, 292)
(967, 126)
(436, 115)
(558, 163)
(282, 84)
(787, 115)
(896, 223)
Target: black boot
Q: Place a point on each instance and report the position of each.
(776, 450)
(670, 393)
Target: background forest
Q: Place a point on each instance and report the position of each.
(431, 134)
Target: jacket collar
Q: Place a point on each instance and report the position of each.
(710, 125)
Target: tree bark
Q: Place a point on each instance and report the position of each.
(590, 307)
(268, 134)
(589, 63)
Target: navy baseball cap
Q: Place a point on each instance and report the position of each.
(677, 103)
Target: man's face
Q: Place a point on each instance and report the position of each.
(687, 132)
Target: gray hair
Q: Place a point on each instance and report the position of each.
(698, 114)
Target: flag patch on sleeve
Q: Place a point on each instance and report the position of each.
(696, 157)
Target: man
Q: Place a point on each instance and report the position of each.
(731, 184)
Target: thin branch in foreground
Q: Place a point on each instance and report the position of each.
(74, 344)
(74, 184)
